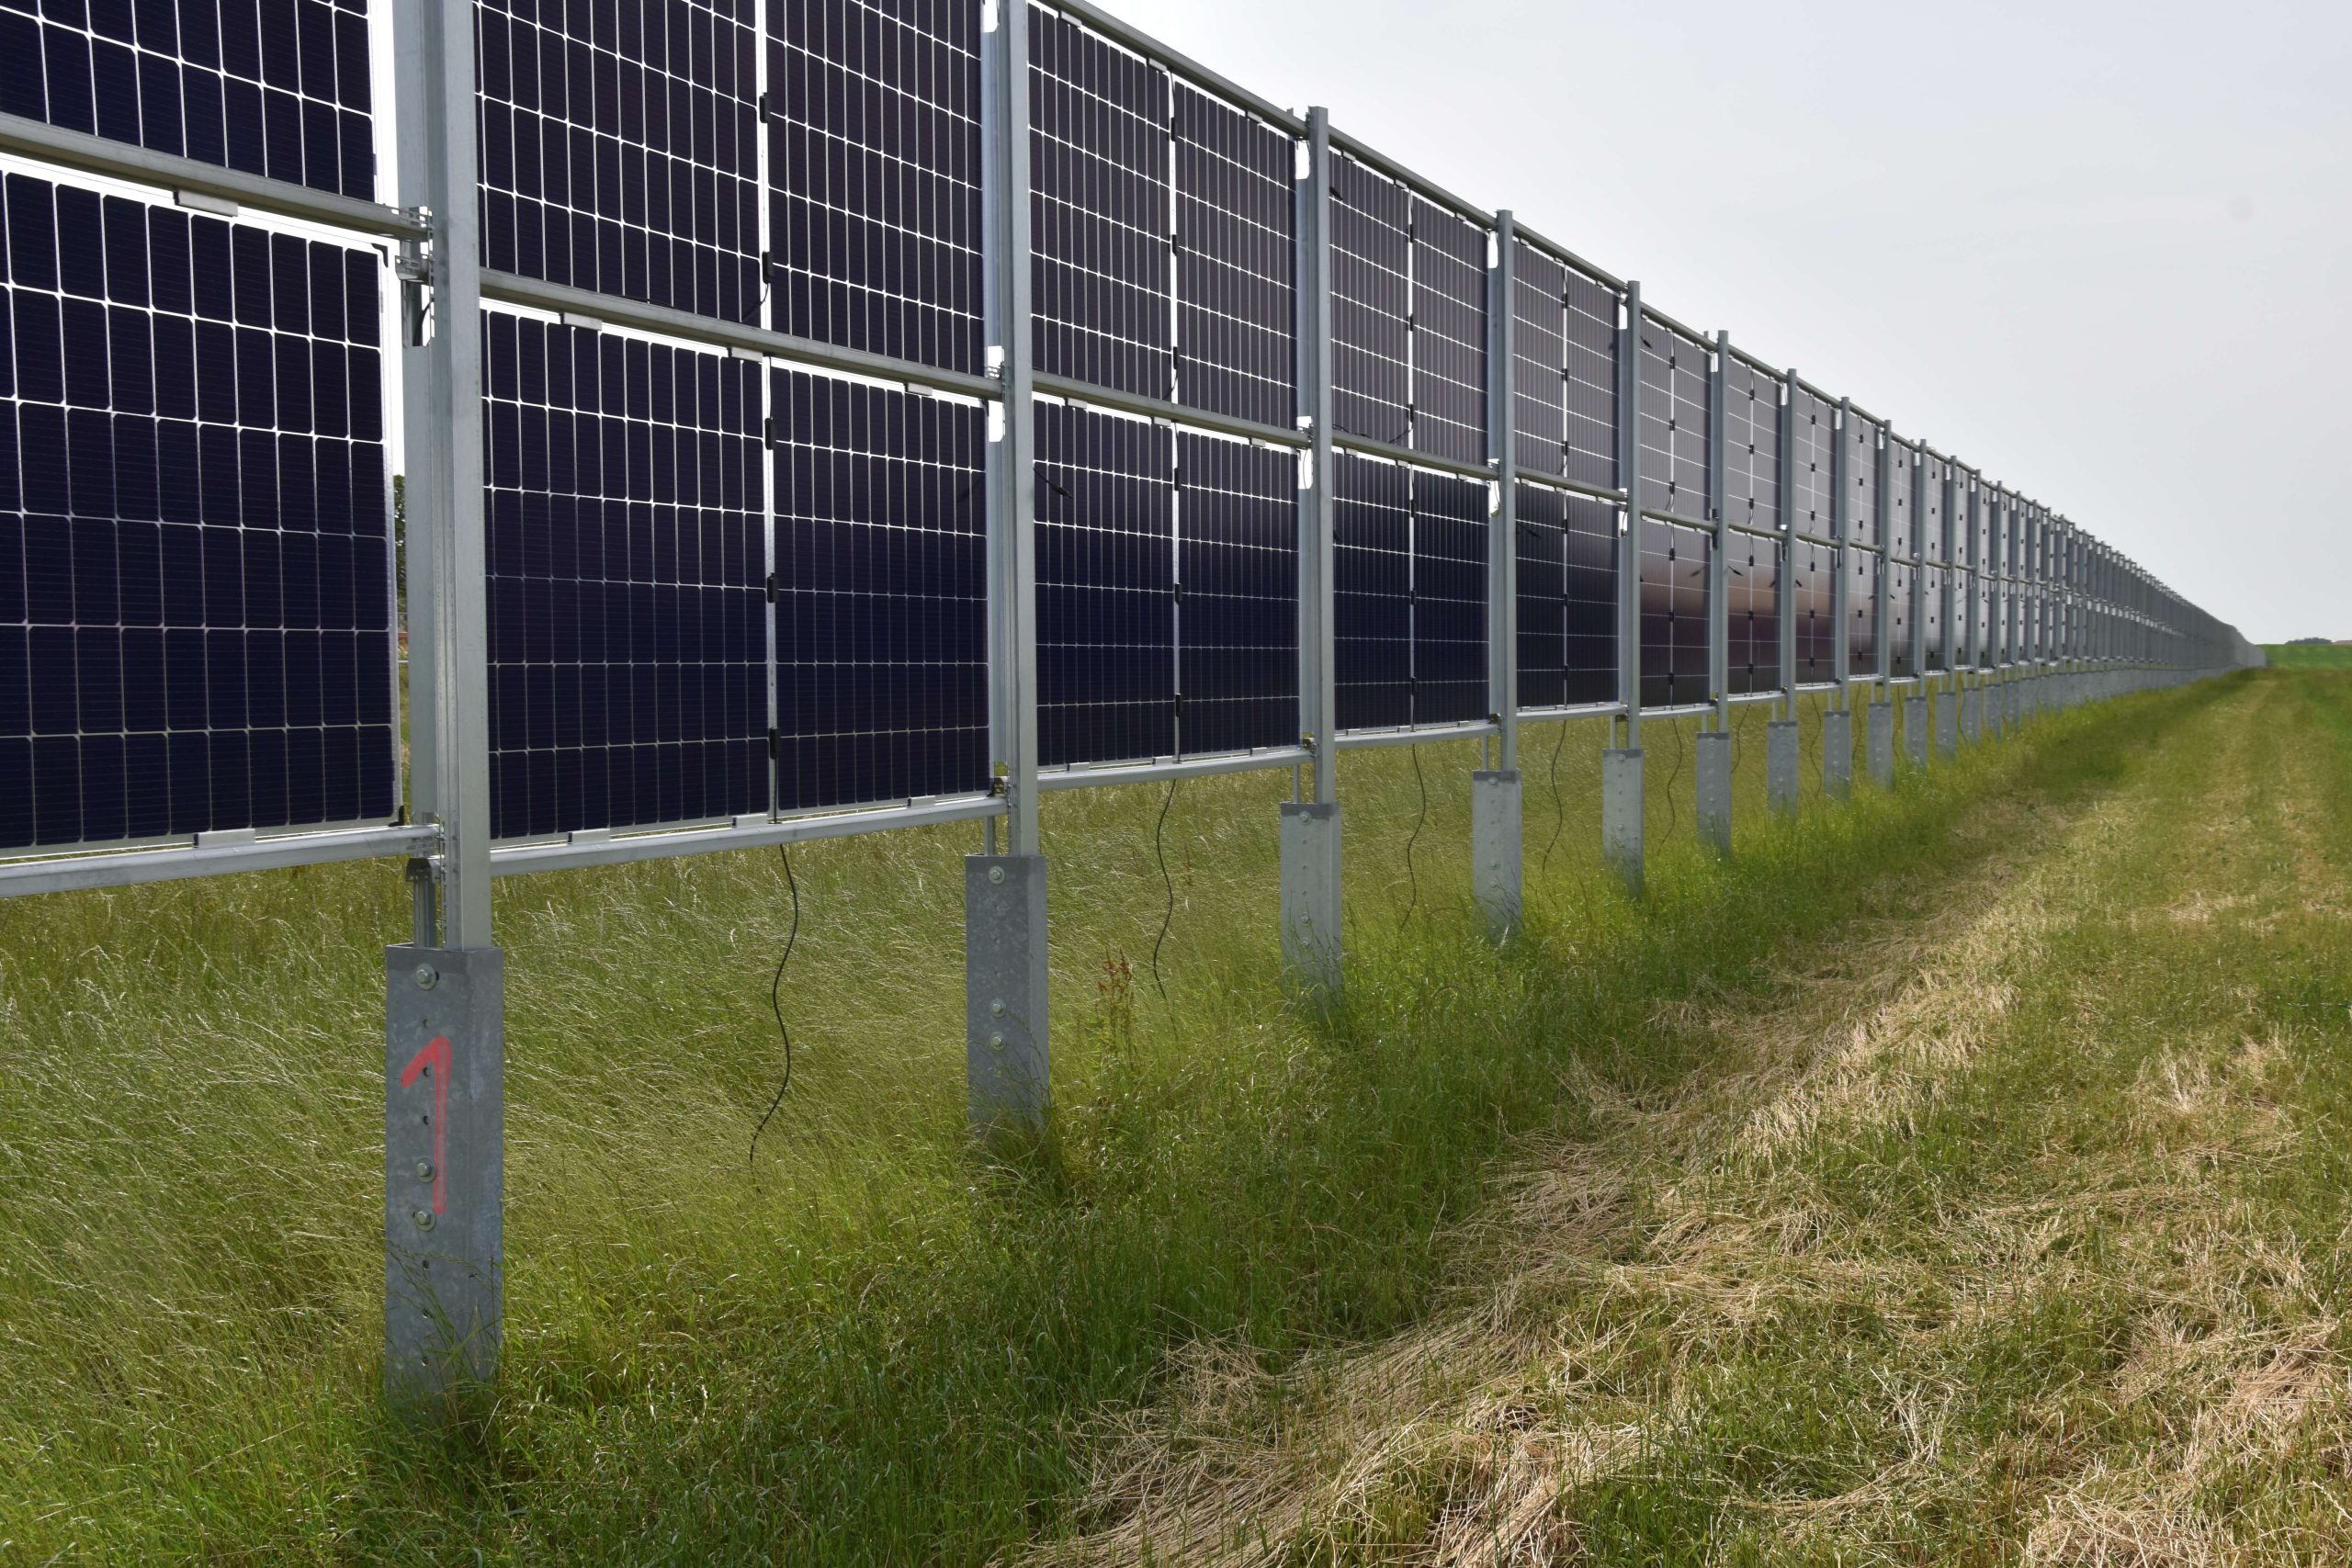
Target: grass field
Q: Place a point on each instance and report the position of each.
(1956, 1174)
(2309, 656)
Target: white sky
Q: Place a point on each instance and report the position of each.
(2101, 251)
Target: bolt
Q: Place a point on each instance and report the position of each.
(427, 976)
(996, 1042)
(996, 1008)
(996, 873)
(424, 1218)
(425, 1171)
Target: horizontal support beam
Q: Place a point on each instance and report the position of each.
(1366, 739)
(1537, 476)
(129, 867)
(1098, 777)
(1366, 446)
(584, 849)
(122, 160)
(1181, 65)
(1578, 710)
(1371, 157)
(1175, 414)
(509, 288)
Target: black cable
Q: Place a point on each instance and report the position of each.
(1559, 804)
(1159, 848)
(775, 1005)
(1674, 726)
(1412, 878)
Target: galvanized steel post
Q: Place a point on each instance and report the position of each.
(1494, 817)
(1621, 791)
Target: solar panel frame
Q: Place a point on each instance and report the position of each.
(881, 564)
(870, 97)
(283, 91)
(196, 549)
(1568, 599)
(619, 150)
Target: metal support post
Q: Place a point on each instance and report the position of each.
(1944, 708)
(444, 1058)
(1915, 719)
(1780, 767)
(1837, 753)
(1719, 558)
(1007, 1016)
(1495, 824)
(1713, 794)
(1310, 828)
(1782, 738)
(1620, 767)
(1880, 743)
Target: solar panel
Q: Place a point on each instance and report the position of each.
(1753, 608)
(195, 566)
(1937, 476)
(618, 149)
(281, 90)
(1902, 641)
(1409, 553)
(1674, 422)
(1568, 599)
(1860, 436)
(1565, 346)
(1861, 613)
(1099, 210)
(1813, 592)
(1236, 252)
(1237, 603)
(1815, 432)
(1933, 638)
(1983, 555)
(1674, 613)
(1751, 446)
(881, 616)
(1372, 295)
(627, 563)
(874, 155)
(1106, 586)
(1901, 468)
(1449, 334)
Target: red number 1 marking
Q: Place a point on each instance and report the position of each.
(434, 1058)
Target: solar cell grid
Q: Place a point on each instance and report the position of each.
(1674, 613)
(1101, 218)
(279, 89)
(1815, 421)
(1935, 630)
(1902, 476)
(619, 149)
(1235, 250)
(1372, 295)
(1106, 587)
(1675, 422)
(873, 138)
(1902, 641)
(1813, 592)
(1935, 479)
(1753, 652)
(1861, 439)
(1594, 335)
(1237, 609)
(881, 557)
(1568, 599)
(1751, 446)
(1410, 595)
(1861, 613)
(1449, 520)
(195, 565)
(1539, 358)
(627, 565)
(1449, 334)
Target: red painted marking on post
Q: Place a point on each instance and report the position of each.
(435, 1058)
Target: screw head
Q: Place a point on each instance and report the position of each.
(996, 1008)
(424, 1218)
(996, 1042)
(996, 873)
(427, 976)
(425, 1171)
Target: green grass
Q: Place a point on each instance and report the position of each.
(870, 1343)
(2309, 656)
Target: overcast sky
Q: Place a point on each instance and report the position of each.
(2101, 251)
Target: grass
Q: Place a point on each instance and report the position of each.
(2309, 656)
(871, 1343)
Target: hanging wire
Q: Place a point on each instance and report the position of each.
(1412, 878)
(1559, 804)
(775, 1005)
(1159, 848)
(1674, 727)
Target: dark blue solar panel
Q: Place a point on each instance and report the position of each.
(1674, 613)
(1409, 550)
(618, 149)
(1099, 213)
(1594, 336)
(1565, 346)
(1237, 611)
(1674, 430)
(279, 90)
(1753, 608)
(1236, 252)
(1450, 567)
(1814, 429)
(1862, 480)
(1935, 509)
(1568, 599)
(874, 224)
(1106, 587)
(1813, 594)
(628, 571)
(1935, 626)
(1902, 476)
(1751, 446)
(1861, 613)
(1371, 297)
(881, 561)
(1902, 644)
(1449, 334)
(195, 566)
